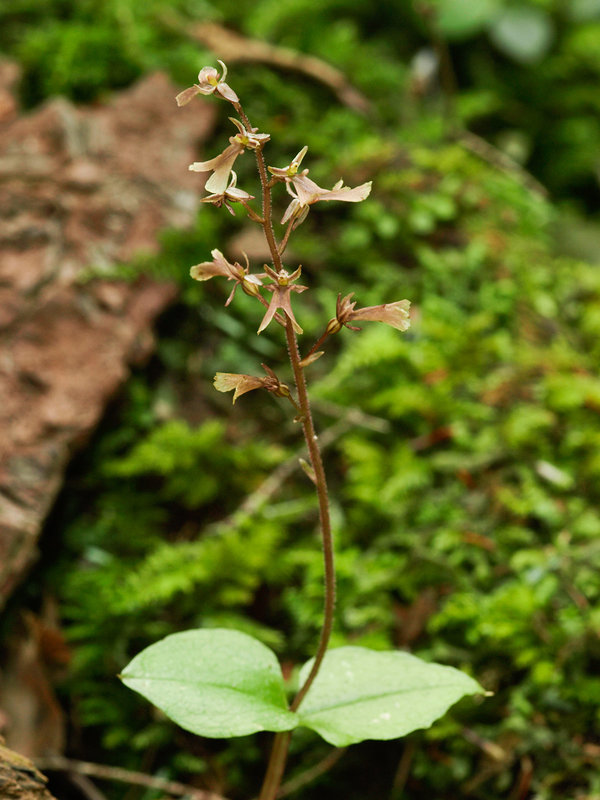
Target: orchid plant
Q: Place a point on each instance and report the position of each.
(224, 683)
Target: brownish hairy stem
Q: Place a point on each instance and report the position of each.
(326, 535)
(277, 760)
(267, 206)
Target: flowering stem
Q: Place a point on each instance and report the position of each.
(279, 751)
(267, 222)
(321, 484)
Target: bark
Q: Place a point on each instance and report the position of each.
(79, 188)
(19, 779)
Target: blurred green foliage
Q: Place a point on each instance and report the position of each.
(465, 498)
(528, 70)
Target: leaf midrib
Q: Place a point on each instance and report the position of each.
(379, 696)
(212, 685)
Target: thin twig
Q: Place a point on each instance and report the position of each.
(312, 773)
(85, 786)
(109, 773)
(262, 494)
(231, 47)
(354, 416)
(500, 160)
(403, 771)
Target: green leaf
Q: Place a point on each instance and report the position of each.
(366, 694)
(524, 34)
(216, 683)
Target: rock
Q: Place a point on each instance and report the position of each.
(80, 187)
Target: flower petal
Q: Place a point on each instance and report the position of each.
(205, 75)
(227, 381)
(204, 271)
(223, 69)
(349, 195)
(238, 194)
(183, 98)
(211, 269)
(394, 314)
(307, 190)
(206, 166)
(269, 314)
(220, 178)
(227, 92)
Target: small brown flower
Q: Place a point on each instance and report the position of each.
(282, 287)
(394, 314)
(249, 138)
(305, 192)
(231, 195)
(209, 82)
(222, 164)
(219, 266)
(228, 381)
(292, 169)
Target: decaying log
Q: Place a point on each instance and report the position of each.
(19, 778)
(79, 188)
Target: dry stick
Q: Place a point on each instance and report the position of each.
(500, 160)
(278, 757)
(257, 499)
(403, 771)
(85, 786)
(62, 764)
(231, 47)
(261, 495)
(309, 775)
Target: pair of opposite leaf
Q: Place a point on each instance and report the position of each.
(222, 683)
